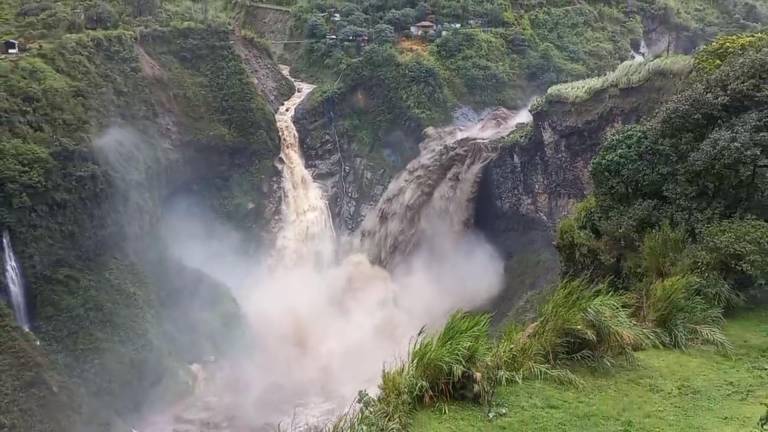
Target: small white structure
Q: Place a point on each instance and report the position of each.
(11, 46)
(475, 22)
(449, 28)
(423, 28)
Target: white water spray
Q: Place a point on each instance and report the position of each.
(15, 283)
(642, 54)
(324, 321)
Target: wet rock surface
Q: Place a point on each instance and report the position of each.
(538, 176)
(354, 177)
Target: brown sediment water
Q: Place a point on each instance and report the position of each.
(307, 232)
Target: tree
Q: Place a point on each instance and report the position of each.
(383, 34)
(100, 15)
(316, 29)
(24, 169)
(142, 8)
(737, 250)
(401, 19)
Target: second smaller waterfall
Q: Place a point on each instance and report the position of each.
(15, 283)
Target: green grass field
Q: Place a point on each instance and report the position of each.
(698, 390)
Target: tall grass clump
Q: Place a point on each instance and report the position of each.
(443, 364)
(516, 357)
(586, 323)
(439, 367)
(682, 317)
(391, 410)
(666, 253)
(627, 75)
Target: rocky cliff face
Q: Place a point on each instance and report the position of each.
(354, 171)
(542, 171)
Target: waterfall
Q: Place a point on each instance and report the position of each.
(642, 54)
(15, 283)
(324, 319)
(433, 196)
(306, 234)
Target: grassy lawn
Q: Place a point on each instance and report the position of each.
(698, 390)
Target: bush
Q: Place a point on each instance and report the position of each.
(737, 250)
(711, 57)
(392, 409)
(33, 9)
(315, 29)
(663, 252)
(582, 254)
(585, 323)
(440, 364)
(383, 34)
(682, 317)
(24, 171)
(100, 15)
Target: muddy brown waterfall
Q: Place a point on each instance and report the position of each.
(324, 319)
(433, 196)
(306, 232)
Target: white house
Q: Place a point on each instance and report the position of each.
(423, 28)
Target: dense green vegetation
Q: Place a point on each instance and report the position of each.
(674, 236)
(95, 301)
(697, 166)
(498, 57)
(482, 53)
(34, 394)
(498, 52)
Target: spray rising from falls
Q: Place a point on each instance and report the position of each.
(326, 326)
(323, 320)
(15, 283)
(642, 54)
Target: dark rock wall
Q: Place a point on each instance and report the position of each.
(541, 173)
(354, 176)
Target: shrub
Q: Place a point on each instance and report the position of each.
(581, 252)
(711, 57)
(383, 34)
(682, 317)
(392, 408)
(24, 170)
(735, 253)
(584, 323)
(440, 364)
(100, 15)
(315, 29)
(34, 9)
(662, 252)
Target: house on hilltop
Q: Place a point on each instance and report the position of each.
(423, 28)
